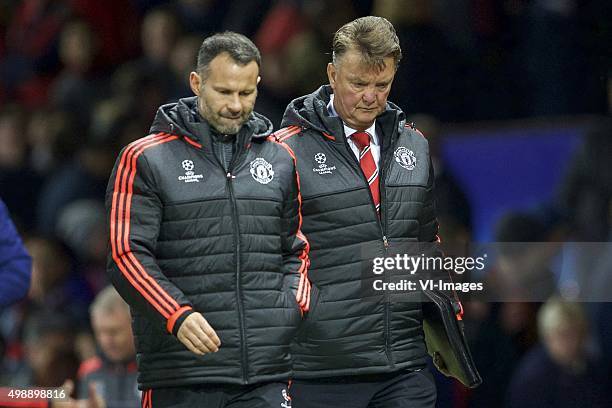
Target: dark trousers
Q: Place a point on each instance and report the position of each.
(404, 389)
(267, 395)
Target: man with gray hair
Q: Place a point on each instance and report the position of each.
(111, 375)
(206, 246)
(367, 183)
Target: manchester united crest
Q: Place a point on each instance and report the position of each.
(262, 171)
(405, 158)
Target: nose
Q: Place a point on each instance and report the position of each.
(234, 106)
(369, 96)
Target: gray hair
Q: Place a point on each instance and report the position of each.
(107, 301)
(557, 312)
(373, 37)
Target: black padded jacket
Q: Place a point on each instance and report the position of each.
(342, 333)
(188, 236)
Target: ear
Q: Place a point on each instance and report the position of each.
(258, 79)
(331, 75)
(195, 82)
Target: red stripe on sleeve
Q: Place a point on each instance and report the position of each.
(175, 315)
(121, 254)
(164, 295)
(303, 292)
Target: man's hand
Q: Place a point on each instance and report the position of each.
(197, 335)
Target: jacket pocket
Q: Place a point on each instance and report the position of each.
(315, 299)
(291, 303)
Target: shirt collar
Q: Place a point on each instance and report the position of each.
(348, 131)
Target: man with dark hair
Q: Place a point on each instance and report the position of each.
(367, 183)
(206, 243)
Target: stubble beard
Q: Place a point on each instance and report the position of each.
(215, 120)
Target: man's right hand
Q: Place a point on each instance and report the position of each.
(197, 335)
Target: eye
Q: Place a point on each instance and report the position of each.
(246, 93)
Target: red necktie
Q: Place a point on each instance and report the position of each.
(368, 165)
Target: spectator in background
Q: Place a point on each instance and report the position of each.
(49, 351)
(159, 33)
(113, 372)
(586, 193)
(15, 262)
(494, 350)
(184, 53)
(76, 88)
(559, 372)
(522, 270)
(503, 327)
(151, 75)
(52, 139)
(55, 286)
(82, 226)
(84, 177)
(56, 294)
(19, 184)
(114, 21)
(31, 56)
(586, 199)
(282, 23)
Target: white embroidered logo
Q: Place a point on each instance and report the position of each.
(262, 171)
(405, 158)
(287, 403)
(190, 176)
(187, 165)
(320, 158)
(323, 168)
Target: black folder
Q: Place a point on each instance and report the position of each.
(445, 339)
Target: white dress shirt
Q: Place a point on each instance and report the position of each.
(348, 132)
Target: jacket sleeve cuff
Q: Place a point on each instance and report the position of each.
(176, 320)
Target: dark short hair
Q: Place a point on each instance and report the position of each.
(373, 37)
(240, 49)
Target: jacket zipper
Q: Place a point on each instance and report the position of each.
(235, 220)
(382, 227)
(383, 213)
(237, 156)
(243, 349)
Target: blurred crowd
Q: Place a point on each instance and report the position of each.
(79, 79)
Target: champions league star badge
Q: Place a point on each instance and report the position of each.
(190, 176)
(321, 166)
(262, 171)
(405, 158)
